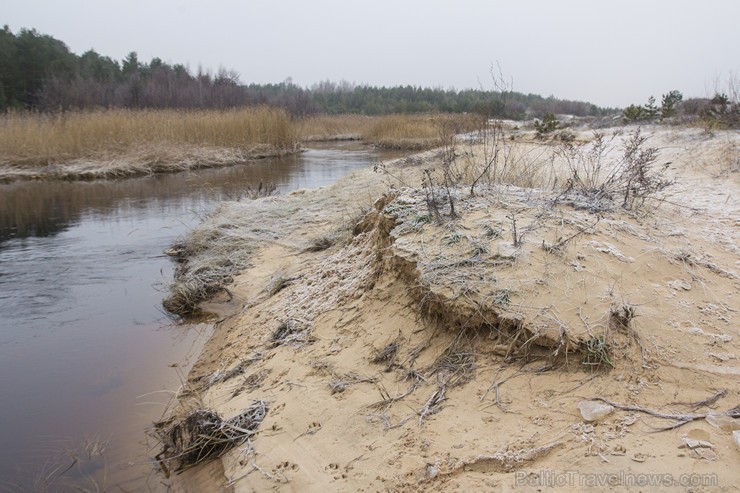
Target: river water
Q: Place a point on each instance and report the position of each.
(88, 359)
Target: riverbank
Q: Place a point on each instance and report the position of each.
(399, 345)
(96, 363)
(117, 143)
(109, 144)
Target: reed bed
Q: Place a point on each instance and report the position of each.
(406, 132)
(116, 143)
(333, 127)
(31, 139)
(417, 132)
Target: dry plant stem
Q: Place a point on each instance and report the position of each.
(706, 402)
(679, 418)
(433, 403)
(388, 400)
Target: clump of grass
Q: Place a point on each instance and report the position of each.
(478, 250)
(501, 297)
(185, 296)
(492, 232)
(35, 139)
(207, 260)
(453, 238)
(320, 243)
(596, 352)
(260, 191)
(290, 332)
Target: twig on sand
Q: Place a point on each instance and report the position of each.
(679, 418)
(706, 402)
(433, 403)
(497, 383)
(251, 451)
(388, 399)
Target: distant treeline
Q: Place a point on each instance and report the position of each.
(39, 72)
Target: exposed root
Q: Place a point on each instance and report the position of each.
(706, 402)
(679, 418)
(504, 461)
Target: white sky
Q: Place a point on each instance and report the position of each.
(610, 53)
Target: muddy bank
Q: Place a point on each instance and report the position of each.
(419, 349)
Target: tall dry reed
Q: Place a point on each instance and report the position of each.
(333, 127)
(30, 139)
(416, 131)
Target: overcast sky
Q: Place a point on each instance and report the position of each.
(610, 53)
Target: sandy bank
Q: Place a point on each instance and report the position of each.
(140, 162)
(414, 352)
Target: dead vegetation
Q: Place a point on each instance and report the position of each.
(333, 127)
(292, 332)
(506, 310)
(117, 143)
(415, 132)
(679, 419)
(105, 144)
(202, 435)
(206, 263)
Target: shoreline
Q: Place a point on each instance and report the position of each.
(122, 143)
(412, 337)
(136, 163)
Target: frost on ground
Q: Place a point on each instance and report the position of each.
(417, 349)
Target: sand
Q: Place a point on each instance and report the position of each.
(418, 356)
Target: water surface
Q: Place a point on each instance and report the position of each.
(87, 357)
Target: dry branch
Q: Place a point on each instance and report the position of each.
(679, 418)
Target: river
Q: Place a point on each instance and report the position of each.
(88, 358)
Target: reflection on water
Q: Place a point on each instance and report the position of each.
(84, 346)
(47, 208)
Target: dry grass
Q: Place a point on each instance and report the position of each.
(31, 140)
(209, 256)
(118, 143)
(202, 435)
(412, 132)
(336, 127)
(208, 260)
(415, 132)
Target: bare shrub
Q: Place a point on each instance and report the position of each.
(634, 176)
(492, 136)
